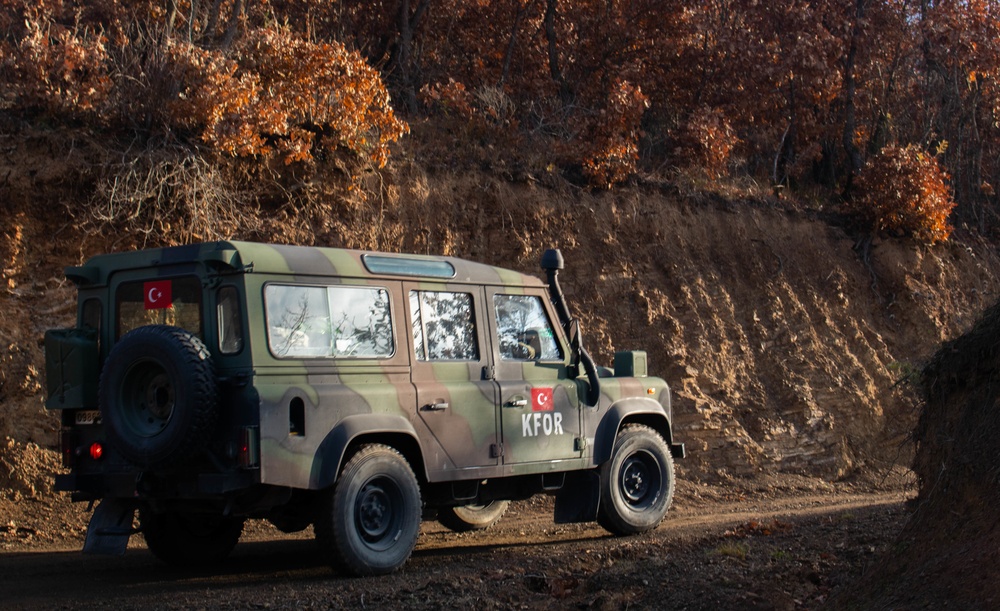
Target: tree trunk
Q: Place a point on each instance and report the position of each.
(407, 25)
(518, 17)
(550, 35)
(854, 158)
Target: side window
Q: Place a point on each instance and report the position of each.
(91, 318)
(174, 301)
(334, 321)
(443, 326)
(229, 320)
(524, 330)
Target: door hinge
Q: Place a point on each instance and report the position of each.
(496, 450)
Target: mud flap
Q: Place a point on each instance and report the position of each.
(579, 498)
(110, 528)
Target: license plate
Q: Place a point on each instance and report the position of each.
(88, 416)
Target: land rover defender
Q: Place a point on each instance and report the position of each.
(358, 392)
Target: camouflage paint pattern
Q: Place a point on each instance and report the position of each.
(471, 419)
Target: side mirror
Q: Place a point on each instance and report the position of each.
(575, 340)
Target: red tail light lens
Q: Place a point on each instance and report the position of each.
(248, 453)
(96, 450)
(66, 447)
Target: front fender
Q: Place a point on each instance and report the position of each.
(639, 410)
(330, 453)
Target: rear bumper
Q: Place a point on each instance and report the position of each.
(133, 484)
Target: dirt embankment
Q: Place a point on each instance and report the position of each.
(784, 344)
(950, 547)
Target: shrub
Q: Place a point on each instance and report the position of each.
(269, 92)
(903, 189)
(451, 98)
(705, 142)
(55, 69)
(610, 142)
(278, 94)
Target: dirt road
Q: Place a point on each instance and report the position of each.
(778, 552)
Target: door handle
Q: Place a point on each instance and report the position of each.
(517, 401)
(435, 407)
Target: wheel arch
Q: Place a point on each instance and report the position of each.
(353, 432)
(643, 411)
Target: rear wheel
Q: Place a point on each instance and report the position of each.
(637, 484)
(189, 540)
(369, 521)
(472, 517)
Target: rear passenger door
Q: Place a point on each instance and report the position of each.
(456, 397)
(539, 406)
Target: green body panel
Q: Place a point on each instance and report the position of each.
(71, 368)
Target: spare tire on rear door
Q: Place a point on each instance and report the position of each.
(158, 396)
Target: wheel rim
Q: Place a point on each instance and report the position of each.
(377, 512)
(640, 480)
(147, 399)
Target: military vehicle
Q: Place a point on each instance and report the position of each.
(358, 392)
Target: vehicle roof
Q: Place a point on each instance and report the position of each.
(301, 262)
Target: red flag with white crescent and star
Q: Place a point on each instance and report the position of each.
(541, 400)
(158, 295)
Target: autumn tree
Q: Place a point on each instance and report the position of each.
(959, 98)
(788, 91)
(221, 74)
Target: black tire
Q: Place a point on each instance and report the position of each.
(472, 517)
(369, 521)
(158, 396)
(190, 540)
(637, 484)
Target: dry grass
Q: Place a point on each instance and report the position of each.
(172, 196)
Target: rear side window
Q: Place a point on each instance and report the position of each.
(328, 321)
(91, 318)
(173, 301)
(230, 320)
(443, 327)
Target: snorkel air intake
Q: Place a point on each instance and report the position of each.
(552, 262)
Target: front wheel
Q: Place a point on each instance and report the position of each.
(190, 540)
(472, 517)
(637, 484)
(369, 521)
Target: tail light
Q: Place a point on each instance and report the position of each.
(248, 452)
(67, 447)
(96, 450)
(71, 448)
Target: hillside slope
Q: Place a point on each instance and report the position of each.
(783, 344)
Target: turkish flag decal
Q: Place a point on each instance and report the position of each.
(158, 295)
(541, 400)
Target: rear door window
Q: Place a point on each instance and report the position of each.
(443, 326)
(172, 301)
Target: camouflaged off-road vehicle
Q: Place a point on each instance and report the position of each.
(359, 392)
